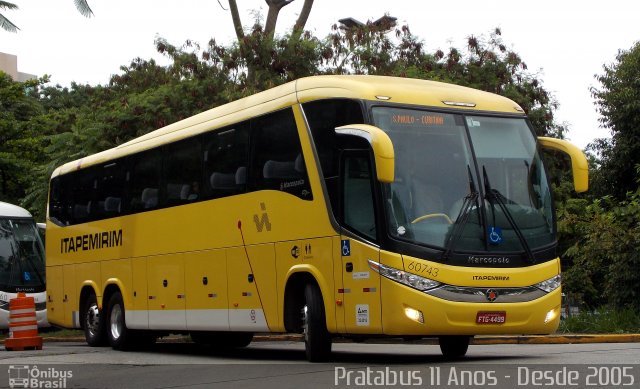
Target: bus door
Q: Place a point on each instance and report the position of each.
(361, 285)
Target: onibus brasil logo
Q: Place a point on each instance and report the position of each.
(25, 376)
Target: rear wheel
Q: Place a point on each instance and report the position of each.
(117, 332)
(93, 323)
(317, 340)
(454, 346)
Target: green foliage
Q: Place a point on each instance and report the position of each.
(618, 102)
(484, 64)
(603, 237)
(602, 321)
(19, 142)
(5, 23)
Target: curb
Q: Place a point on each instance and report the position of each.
(478, 340)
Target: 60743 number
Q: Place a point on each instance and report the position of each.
(423, 269)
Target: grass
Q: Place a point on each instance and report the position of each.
(50, 332)
(602, 321)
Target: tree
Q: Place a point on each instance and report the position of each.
(19, 144)
(7, 25)
(261, 37)
(83, 8)
(486, 64)
(618, 102)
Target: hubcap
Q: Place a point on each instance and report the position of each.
(116, 322)
(92, 320)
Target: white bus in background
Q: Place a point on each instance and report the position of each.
(22, 266)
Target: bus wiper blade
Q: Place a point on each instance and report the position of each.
(498, 197)
(463, 216)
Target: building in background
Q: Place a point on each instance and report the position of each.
(9, 65)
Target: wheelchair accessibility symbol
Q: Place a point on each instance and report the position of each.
(495, 235)
(346, 248)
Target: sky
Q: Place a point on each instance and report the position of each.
(565, 42)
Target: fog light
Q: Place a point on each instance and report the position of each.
(551, 315)
(414, 314)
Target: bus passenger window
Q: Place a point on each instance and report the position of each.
(182, 171)
(226, 152)
(145, 181)
(112, 184)
(277, 161)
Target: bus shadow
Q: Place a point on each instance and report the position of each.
(259, 352)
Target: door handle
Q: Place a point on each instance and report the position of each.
(349, 267)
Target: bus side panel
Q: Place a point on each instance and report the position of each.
(55, 295)
(117, 272)
(165, 284)
(137, 316)
(206, 289)
(245, 310)
(89, 273)
(362, 308)
(71, 292)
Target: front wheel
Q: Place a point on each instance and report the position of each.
(454, 346)
(117, 332)
(93, 323)
(317, 340)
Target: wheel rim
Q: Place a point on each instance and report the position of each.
(92, 320)
(116, 322)
(305, 323)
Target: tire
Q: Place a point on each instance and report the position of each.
(317, 340)
(93, 323)
(222, 340)
(120, 338)
(454, 346)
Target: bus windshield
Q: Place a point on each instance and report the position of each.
(466, 183)
(22, 267)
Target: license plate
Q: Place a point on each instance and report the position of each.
(491, 317)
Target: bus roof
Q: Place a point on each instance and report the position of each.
(365, 87)
(10, 210)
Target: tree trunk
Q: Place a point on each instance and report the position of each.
(304, 15)
(272, 17)
(235, 16)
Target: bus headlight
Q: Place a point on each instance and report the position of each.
(549, 285)
(409, 279)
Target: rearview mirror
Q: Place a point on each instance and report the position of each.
(380, 144)
(579, 165)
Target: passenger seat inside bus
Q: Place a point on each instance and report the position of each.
(112, 205)
(149, 198)
(284, 170)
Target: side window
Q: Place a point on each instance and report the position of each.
(112, 187)
(277, 160)
(357, 206)
(83, 188)
(144, 193)
(57, 203)
(183, 171)
(226, 153)
(323, 116)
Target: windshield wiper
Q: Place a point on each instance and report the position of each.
(499, 198)
(463, 216)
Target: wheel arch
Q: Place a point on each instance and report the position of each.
(294, 298)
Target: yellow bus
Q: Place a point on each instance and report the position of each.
(355, 206)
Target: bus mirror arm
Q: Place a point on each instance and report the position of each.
(380, 144)
(579, 165)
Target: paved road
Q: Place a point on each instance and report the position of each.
(282, 365)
